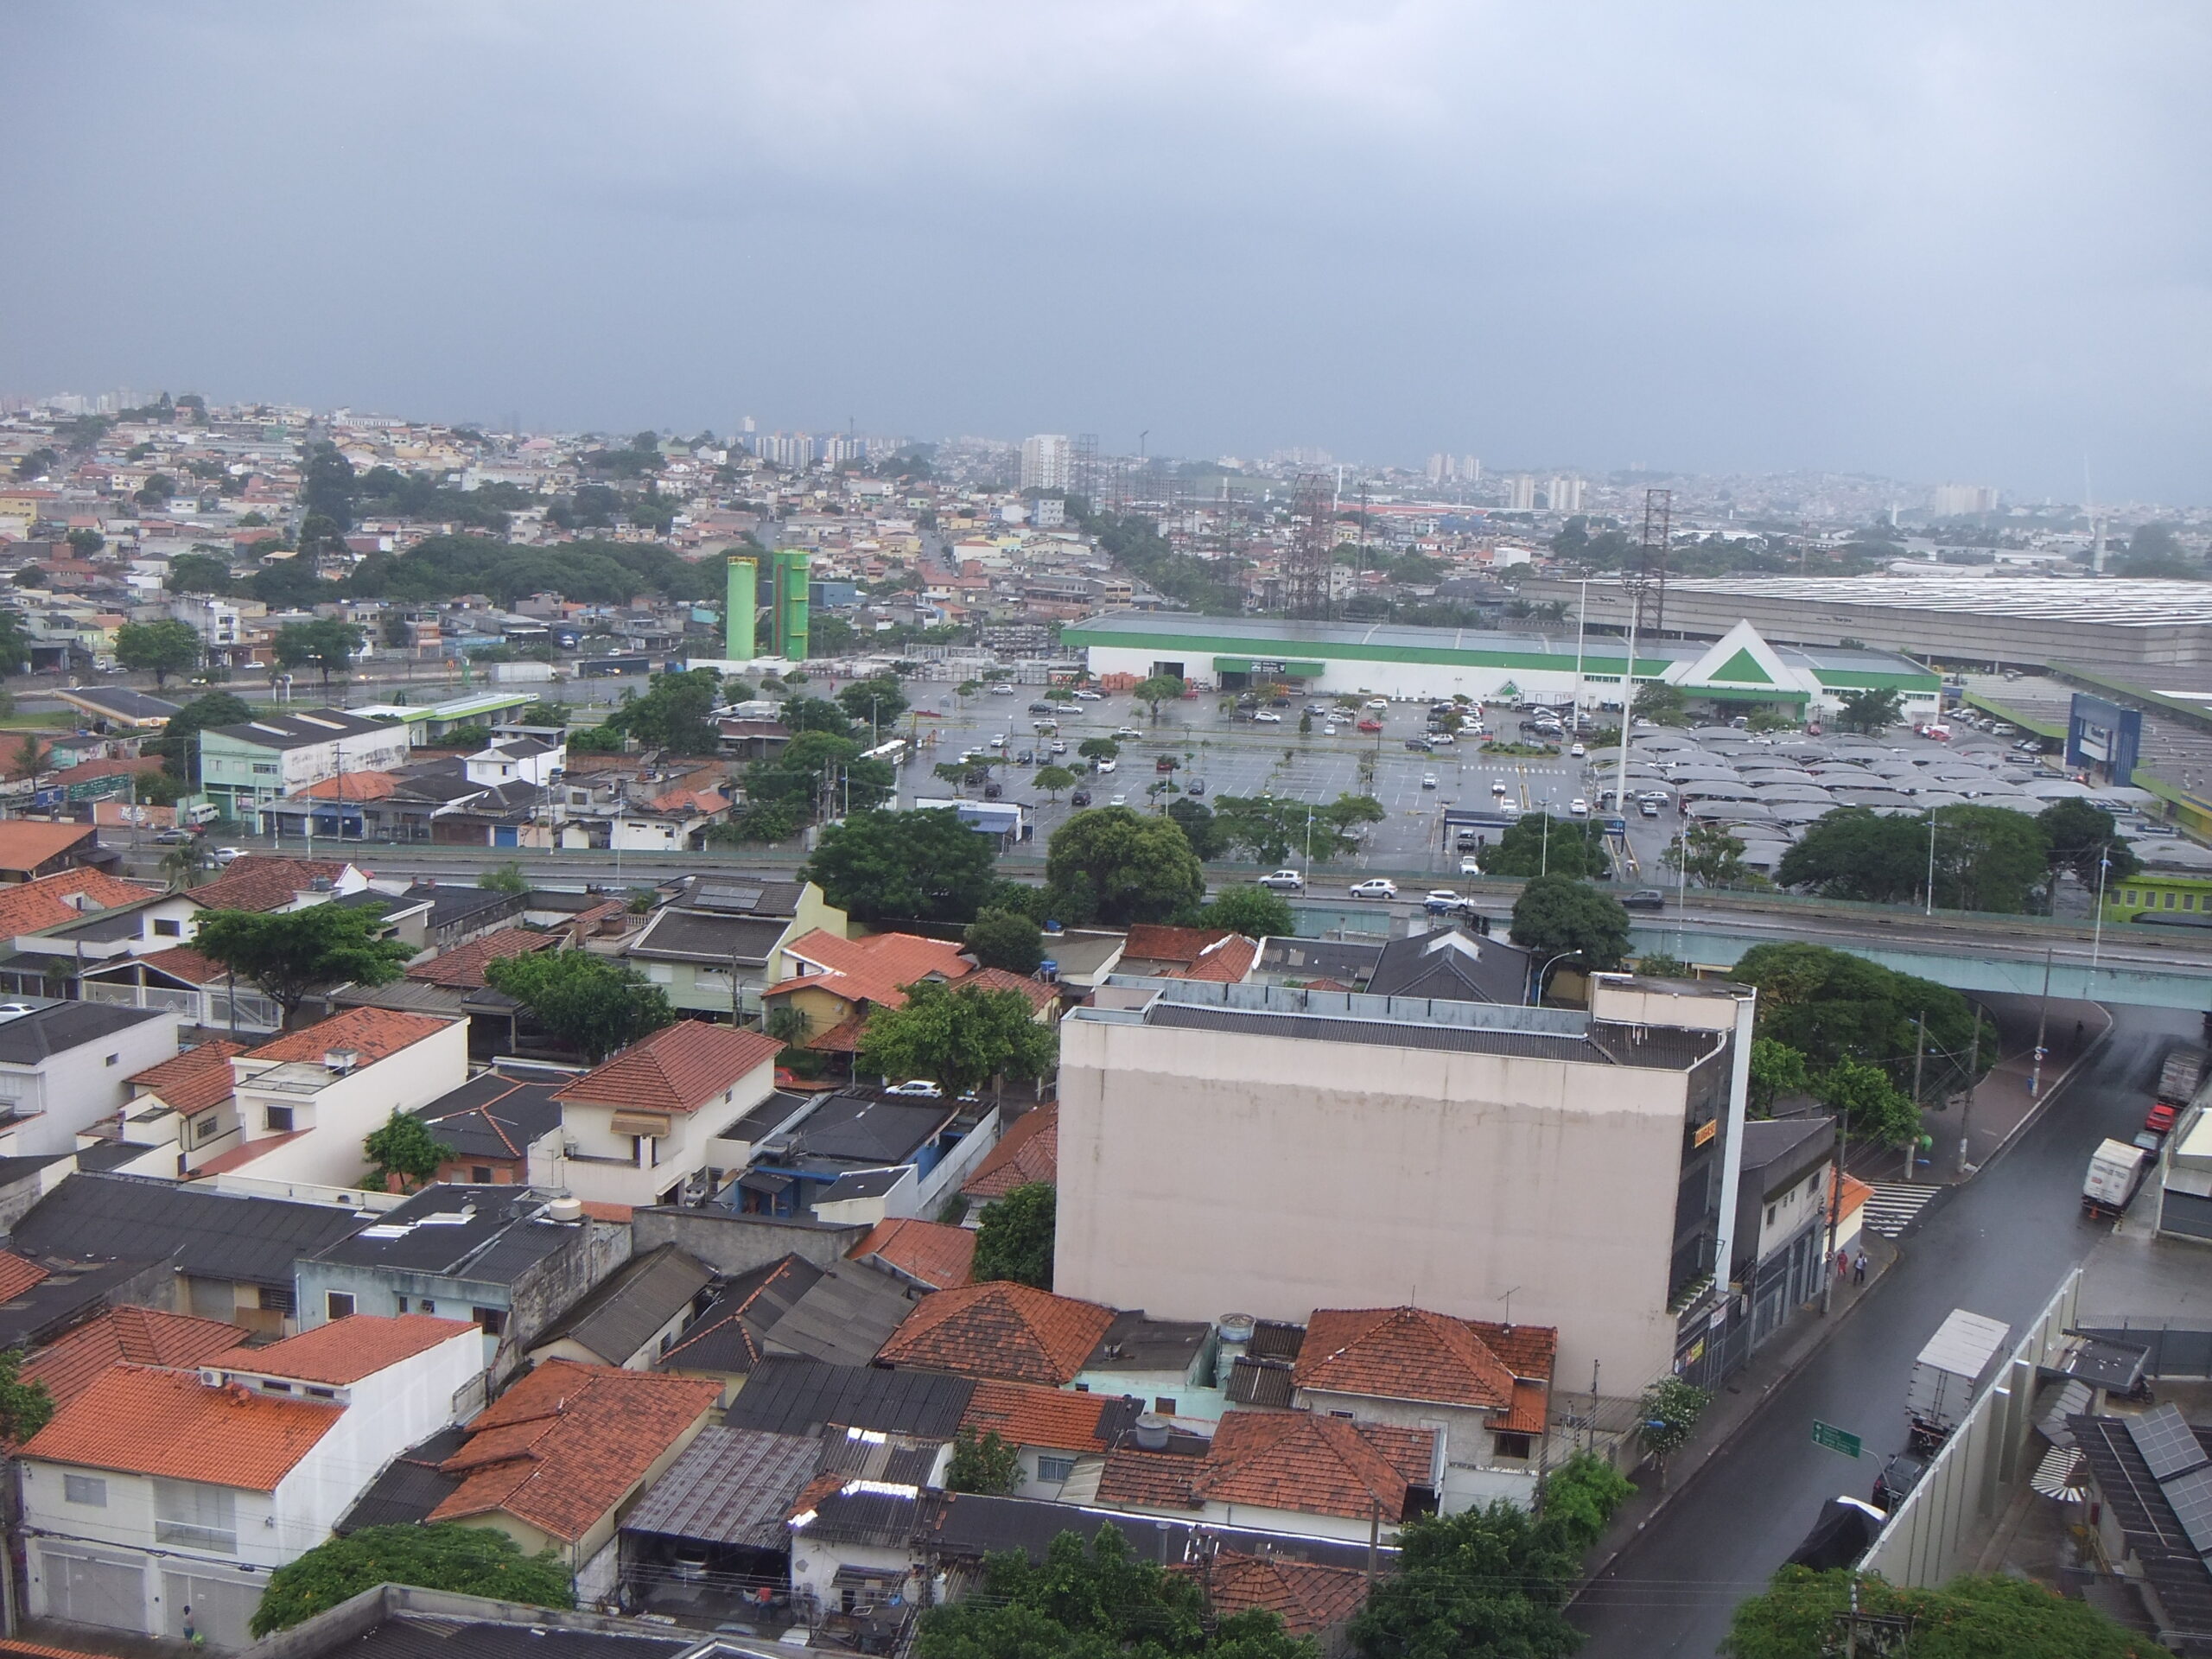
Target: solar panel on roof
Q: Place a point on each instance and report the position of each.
(2191, 1498)
(2168, 1444)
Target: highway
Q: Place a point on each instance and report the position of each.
(1997, 1245)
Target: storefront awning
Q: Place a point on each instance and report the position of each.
(1263, 665)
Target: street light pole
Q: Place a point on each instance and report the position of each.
(2097, 932)
(2042, 1026)
(1537, 1001)
(1931, 909)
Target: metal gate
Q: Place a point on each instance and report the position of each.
(220, 1605)
(88, 1589)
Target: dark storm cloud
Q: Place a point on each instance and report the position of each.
(1933, 240)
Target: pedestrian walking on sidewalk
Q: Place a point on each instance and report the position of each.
(1842, 1263)
(1859, 1269)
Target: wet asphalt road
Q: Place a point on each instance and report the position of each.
(1999, 1246)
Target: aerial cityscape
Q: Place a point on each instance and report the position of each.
(801, 856)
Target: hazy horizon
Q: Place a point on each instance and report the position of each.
(1956, 242)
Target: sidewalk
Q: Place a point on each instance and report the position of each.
(1738, 1397)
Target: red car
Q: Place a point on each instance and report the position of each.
(1370, 725)
(2160, 1120)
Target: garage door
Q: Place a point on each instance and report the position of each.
(220, 1605)
(87, 1589)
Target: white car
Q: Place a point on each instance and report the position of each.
(1268, 717)
(1440, 737)
(1091, 696)
(1106, 766)
(1378, 703)
(1377, 886)
(1119, 800)
(1056, 747)
(1429, 780)
(1001, 690)
(921, 1086)
(1577, 750)
(227, 854)
(1578, 808)
(1442, 899)
(1127, 731)
(1284, 881)
(1499, 787)
(1329, 730)
(1470, 865)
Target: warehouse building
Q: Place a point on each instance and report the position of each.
(1967, 621)
(1738, 671)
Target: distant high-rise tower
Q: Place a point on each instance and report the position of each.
(1520, 492)
(1047, 462)
(1564, 494)
(1957, 500)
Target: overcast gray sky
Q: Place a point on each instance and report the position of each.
(1929, 240)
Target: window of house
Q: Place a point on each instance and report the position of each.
(88, 1489)
(481, 1173)
(1517, 1446)
(277, 1120)
(169, 929)
(1345, 1414)
(1164, 1404)
(427, 1306)
(111, 1059)
(1052, 1470)
(274, 1387)
(322, 1394)
(1770, 1215)
(275, 1299)
(338, 1305)
(401, 1301)
(2170, 899)
(1812, 1184)
(204, 1128)
(195, 1515)
(493, 1320)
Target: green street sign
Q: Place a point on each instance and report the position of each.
(1834, 1439)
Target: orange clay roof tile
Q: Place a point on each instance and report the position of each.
(134, 1336)
(999, 1330)
(873, 970)
(18, 1274)
(182, 1429)
(680, 1068)
(1025, 1414)
(1028, 1152)
(346, 1351)
(1314, 1464)
(1400, 1353)
(463, 966)
(193, 1081)
(264, 881)
(1309, 1599)
(931, 1252)
(30, 907)
(372, 1034)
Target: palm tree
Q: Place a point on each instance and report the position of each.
(185, 863)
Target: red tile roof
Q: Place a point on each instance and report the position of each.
(182, 1429)
(1400, 1353)
(1000, 1330)
(1028, 1152)
(567, 1444)
(346, 1351)
(1313, 1463)
(929, 1252)
(1041, 995)
(1157, 941)
(193, 1081)
(1156, 1480)
(462, 967)
(18, 1275)
(873, 970)
(1025, 1414)
(1226, 963)
(134, 1336)
(30, 907)
(182, 961)
(1309, 1599)
(372, 1034)
(26, 844)
(599, 1209)
(680, 1068)
(264, 881)
(352, 786)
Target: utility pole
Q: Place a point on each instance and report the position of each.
(1919, 1060)
(1973, 1080)
(2043, 1027)
(1835, 1213)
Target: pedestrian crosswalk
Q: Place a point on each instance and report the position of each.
(1892, 1205)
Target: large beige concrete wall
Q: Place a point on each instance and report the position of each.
(1203, 1172)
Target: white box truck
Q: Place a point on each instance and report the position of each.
(1949, 1373)
(2116, 1173)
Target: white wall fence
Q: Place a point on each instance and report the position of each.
(1972, 1478)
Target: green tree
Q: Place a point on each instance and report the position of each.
(199, 573)
(403, 1153)
(953, 775)
(544, 712)
(591, 1002)
(1537, 843)
(926, 866)
(962, 1036)
(287, 954)
(14, 644)
(672, 714)
(1863, 1095)
(85, 542)
(1257, 912)
(1099, 748)
(1092, 1603)
(1661, 703)
(1777, 1069)
(1053, 780)
(1116, 865)
(2154, 552)
(1870, 711)
(1581, 1496)
(1269, 828)
(471, 1560)
(185, 862)
(1196, 820)
(816, 770)
(326, 644)
(1014, 1238)
(1856, 853)
(873, 703)
(1989, 858)
(1004, 939)
(1715, 855)
(1970, 1617)
(1830, 1005)
(1558, 915)
(1493, 1581)
(1662, 965)
(984, 1465)
(815, 715)
(1157, 689)
(2080, 836)
(25, 1408)
(504, 878)
(1667, 1415)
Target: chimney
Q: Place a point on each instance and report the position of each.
(342, 1060)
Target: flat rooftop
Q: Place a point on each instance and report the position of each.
(2117, 602)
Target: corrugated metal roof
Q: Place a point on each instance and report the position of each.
(731, 1486)
(790, 1395)
(1377, 1033)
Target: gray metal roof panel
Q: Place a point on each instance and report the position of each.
(791, 1393)
(619, 1316)
(211, 1235)
(731, 1486)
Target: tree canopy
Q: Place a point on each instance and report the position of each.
(1557, 914)
(877, 702)
(326, 644)
(1971, 1617)
(672, 712)
(472, 1561)
(591, 1002)
(1985, 858)
(162, 648)
(180, 740)
(286, 954)
(1014, 1238)
(1116, 865)
(1257, 912)
(962, 1036)
(2079, 836)
(1870, 711)
(1537, 843)
(926, 866)
(403, 1153)
(1830, 1006)
(1005, 938)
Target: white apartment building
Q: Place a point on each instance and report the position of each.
(1047, 461)
(1264, 1149)
(228, 1472)
(65, 1065)
(643, 1126)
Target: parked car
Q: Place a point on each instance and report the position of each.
(1164, 763)
(1196, 786)
(2161, 1119)
(1429, 780)
(993, 791)
(1440, 739)
(1378, 703)
(1079, 797)
(1104, 766)
(1027, 758)
(173, 838)
(1648, 807)
(1644, 899)
(1470, 865)
(1056, 747)
(1284, 881)
(1375, 886)
(1418, 744)
(1578, 808)
(1003, 689)
(1328, 730)
(1119, 800)
(1370, 725)
(921, 1086)
(999, 743)
(1268, 717)
(1091, 696)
